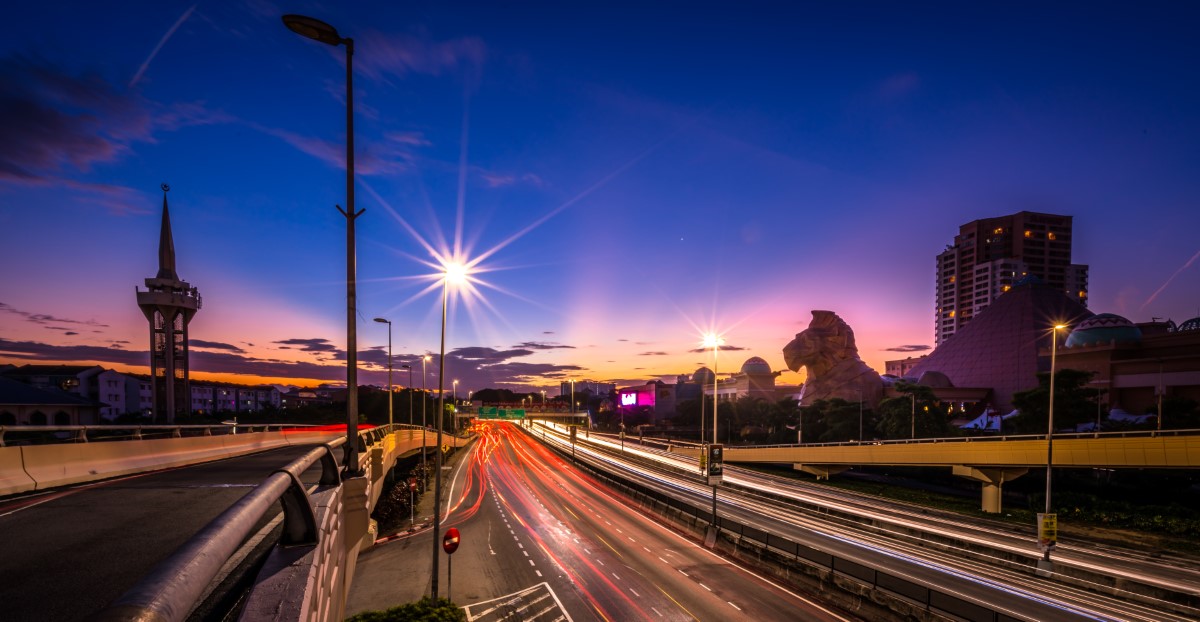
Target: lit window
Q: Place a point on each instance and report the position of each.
(951, 314)
(998, 230)
(1028, 233)
(1051, 236)
(951, 279)
(1008, 287)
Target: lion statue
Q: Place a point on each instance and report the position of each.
(827, 349)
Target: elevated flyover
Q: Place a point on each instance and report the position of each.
(989, 460)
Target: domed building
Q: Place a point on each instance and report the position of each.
(702, 376)
(755, 379)
(1133, 365)
(1104, 328)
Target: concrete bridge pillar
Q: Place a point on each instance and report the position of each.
(993, 480)
(821, 471)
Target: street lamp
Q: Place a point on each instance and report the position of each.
(451, 272)
(454, 399)
(410, 392)
(913, 395)
(389, 323)
(318, 30)
(715, 342)
(1050, 443)
(424, 426)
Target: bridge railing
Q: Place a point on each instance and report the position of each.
(132, 431)
(981, 439)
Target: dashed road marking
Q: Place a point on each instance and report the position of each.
(734, 606)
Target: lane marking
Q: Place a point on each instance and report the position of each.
(734, 606)
(635, 592)
(705, 586)
(684, 573)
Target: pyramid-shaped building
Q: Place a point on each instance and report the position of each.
(999, 348)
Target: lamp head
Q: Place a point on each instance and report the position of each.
(312, 28)
(455, 272)
(382, 321)
(712, 340)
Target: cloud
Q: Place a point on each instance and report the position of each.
(70, 332)
(308, 345)
(56, 123)
(214, 345)
(500, 180)
(393, 153)
(622, 340)
(547, 332)
(487, 356)
(911, 348)
(43, 318)
(653, 354)
(723, 348)
(539, 345)
(398, 55)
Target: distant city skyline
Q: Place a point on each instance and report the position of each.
(635, 178)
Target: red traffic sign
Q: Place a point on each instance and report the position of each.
(450, 541)
(412, 483)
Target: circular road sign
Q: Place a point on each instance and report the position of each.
(450, 541)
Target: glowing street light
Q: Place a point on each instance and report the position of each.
(318, 30)
(1047, 545)
(389, 323)
(714, 341)
(451, 273)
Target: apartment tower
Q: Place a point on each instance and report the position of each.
(990, 255)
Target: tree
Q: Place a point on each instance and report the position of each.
(917, 405)
(1074, 403)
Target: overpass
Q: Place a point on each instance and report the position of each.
(988, 460)
(307, 574)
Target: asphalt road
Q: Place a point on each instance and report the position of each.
(546, 541)
(66, 553)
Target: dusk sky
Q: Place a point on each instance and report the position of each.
(633, 175)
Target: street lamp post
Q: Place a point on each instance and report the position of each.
(389, 323)
(424, 425)
(454, 399)
(410, 392)
(913, 395)
(318, 30)
(457, 272)
(1050, 438)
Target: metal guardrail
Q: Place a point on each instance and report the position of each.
(946, 439)
(175, 585)
(136, 429)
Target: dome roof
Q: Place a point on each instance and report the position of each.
(756, 366)
(1103, 328)
(1192, 324)
(703, 375)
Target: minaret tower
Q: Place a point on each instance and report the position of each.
(168, 305)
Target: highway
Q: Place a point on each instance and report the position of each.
(68, 552)
(893, 546)
(977, 540)
(544, 538)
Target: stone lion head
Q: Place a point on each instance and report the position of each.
(827, 341)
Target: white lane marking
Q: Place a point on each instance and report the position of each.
(539, 572)
(646, 549)
(706, 587)
(663, 560)
(635, 592)
(531, 563)
(656, 611)
(519, 545)
(526, 553)
(616, 577)
(734, 606)
(600, 561)
(684, 573)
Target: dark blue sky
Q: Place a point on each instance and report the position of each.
(642, 173)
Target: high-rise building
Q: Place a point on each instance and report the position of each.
(990, 255)
(169, 305)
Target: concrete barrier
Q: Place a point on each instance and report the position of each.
(36, 467)
(13, 478)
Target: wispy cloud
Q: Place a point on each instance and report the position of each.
(307, 345)
(656, 353)
(397, 55)
(214, 345)
(541, 345)
(45, 318)
(1158, 291)
(723, 348)
(394, 153)
(908, 348)
(500, 180)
